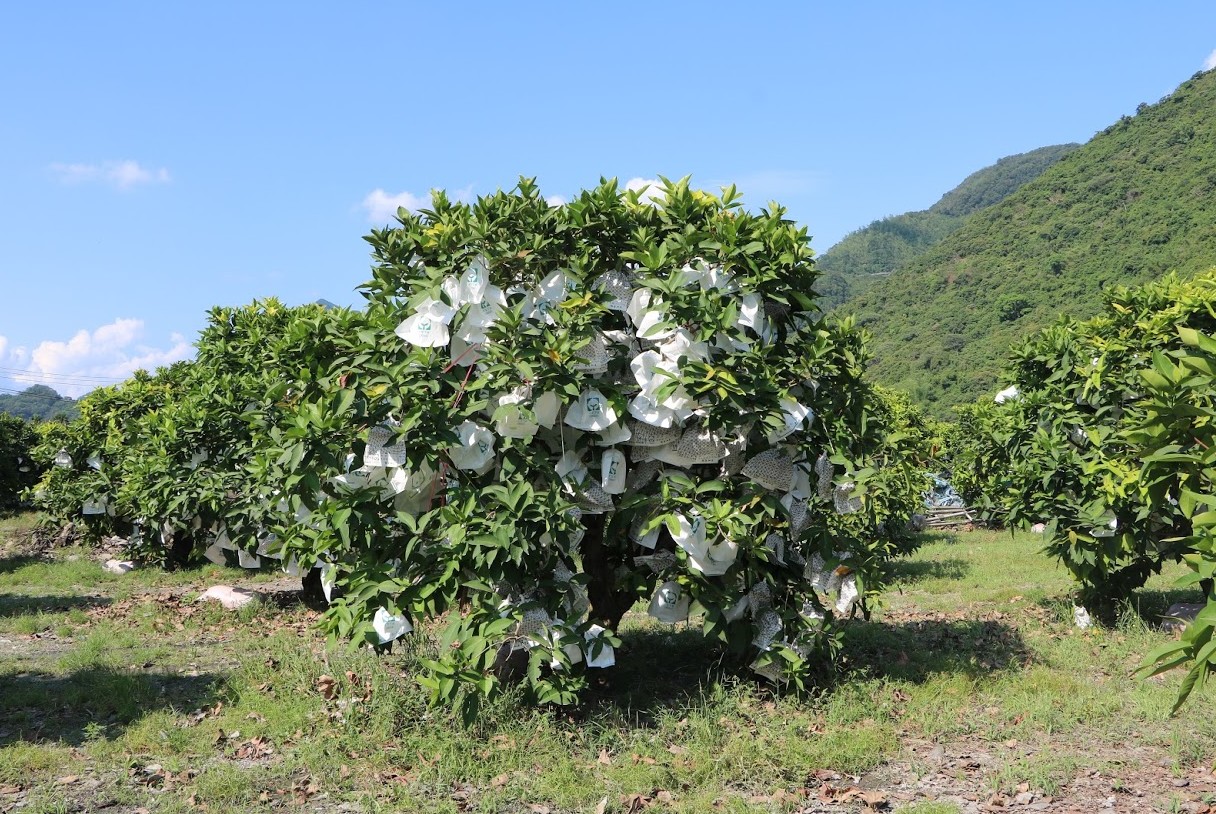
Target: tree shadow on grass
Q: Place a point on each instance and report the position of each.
(918, 649)
(910, 572)
(657, 671)
(1151, 604)
(91, 702)
(9, 565)
(1146, 605)
(12, 605)
(660, 672)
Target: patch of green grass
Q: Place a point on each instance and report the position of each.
(1044, 772)
(224, 784)
(929, 807)
(12, 525)
(21, 761)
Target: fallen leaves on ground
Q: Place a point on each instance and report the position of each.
(254, 749)
(873, 800)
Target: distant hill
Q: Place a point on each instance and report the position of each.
(1137, 200)
(862, 257)
(39, 403)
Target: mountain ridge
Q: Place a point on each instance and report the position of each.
(852, 264)
(1136, 201)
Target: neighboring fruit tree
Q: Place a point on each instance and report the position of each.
(18, 467)
(544, 415)
(164, 460)
(1106, 437)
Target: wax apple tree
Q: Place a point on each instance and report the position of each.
(163, 460)
(1069, 435)
(548, 413)
(19, 468)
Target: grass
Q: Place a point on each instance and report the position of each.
(124, 693)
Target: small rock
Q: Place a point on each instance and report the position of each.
(1039, 528)
(1109, 802)
(1181, 783)
(937, 755)
(230, 598)
(119, 566)
(1024, 798)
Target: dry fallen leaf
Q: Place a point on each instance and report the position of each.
(67, 780)
(634, 803)
(328, 687)
(500, 780)
(604, 757)
(872, 799)
(829, 793)
(602, 806)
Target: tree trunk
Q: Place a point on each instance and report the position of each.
(178, 555)
(608, 605)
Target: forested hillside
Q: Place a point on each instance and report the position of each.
(38, 403)
(1137, 200)
(855, 263)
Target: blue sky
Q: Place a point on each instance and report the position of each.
(160, 158)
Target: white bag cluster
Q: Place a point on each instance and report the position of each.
(632, 422)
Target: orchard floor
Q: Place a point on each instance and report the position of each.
(970, 690)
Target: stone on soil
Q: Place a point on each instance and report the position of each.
(230, 598)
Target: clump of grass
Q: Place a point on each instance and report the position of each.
(929, 807)
(1044, 772)
(23, 761)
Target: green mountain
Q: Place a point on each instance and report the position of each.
(39, 403)
(1137, 200)
(862, 257)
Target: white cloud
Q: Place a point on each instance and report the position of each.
(107, 354)
(119, 174)
(555, 200)
(382, 206)
(12, 356)
(1210, 62)
(654, 189)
